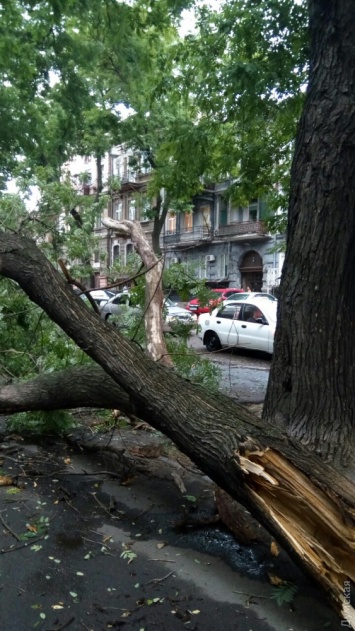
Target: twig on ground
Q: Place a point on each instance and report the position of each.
(162, 560)
(250, 595)
(155, 581)
(66, 624)
(16, 587)
(104, 507)
(7, 527)
(24, 545)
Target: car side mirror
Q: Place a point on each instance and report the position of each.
(261, 321)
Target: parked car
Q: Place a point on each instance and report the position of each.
(194, 304)
(101, 295)
(250, 294)
(120, 302)
(174, 313)
(116, 304)
(241, 324)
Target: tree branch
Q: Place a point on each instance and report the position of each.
(306, 504)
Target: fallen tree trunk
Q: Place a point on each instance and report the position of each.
(306, 504)
(75, 387)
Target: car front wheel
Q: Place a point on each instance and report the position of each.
(212, 342)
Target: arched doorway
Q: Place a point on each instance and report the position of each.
(251, 270)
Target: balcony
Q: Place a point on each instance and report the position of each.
(242, 228)
(201, 233)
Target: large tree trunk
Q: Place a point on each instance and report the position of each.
(307, 505)
(76, 387)
(311, 389)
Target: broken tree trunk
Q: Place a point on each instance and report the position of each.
(153, 313)
(306, 504)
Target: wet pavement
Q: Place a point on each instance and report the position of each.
(244, 374)
(84, 546)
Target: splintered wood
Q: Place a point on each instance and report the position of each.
(316, 522)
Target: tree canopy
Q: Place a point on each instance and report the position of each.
(231, 92)
(235, 83)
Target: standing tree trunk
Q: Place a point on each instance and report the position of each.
(311, 389)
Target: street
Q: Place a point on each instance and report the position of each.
(244, 373)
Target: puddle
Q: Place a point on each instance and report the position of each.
(220, 543)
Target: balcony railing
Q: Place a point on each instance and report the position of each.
(241, 228)
(201, 233)
(187, 236)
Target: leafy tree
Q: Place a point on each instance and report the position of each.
(293, 470)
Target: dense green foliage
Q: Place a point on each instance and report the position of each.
(229, 94)
(221, 102)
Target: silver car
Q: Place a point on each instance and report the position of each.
(116, 305)
(122, 302)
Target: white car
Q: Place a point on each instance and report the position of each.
(101, 295)
(246, 295)
(240, 324)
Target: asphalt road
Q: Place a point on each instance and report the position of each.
(244, 374)
(84, 547)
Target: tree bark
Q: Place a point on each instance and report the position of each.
(311, 390)
(306, 504)
(153, 314)
(75, 387)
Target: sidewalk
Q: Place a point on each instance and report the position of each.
(85, 546)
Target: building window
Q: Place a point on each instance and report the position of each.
(253, 210)
(222, 266)
(129, 250)
(125, 168)
(117, 167)
(144, 165)
(188, 222)
(117, 210)
(146, 208)
(115, 253)
(132, 210)
(206, 217)
(171, 223)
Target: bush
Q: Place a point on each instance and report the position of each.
(41, 423)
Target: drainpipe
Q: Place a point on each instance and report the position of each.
(228, 257)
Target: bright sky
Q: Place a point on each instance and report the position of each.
(187, 27)
(188, 17)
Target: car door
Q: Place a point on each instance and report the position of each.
(115, 306)
(225, 324)
(253, 335)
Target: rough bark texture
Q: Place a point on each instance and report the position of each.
(153, 315)
(78, 387)
(307, 505)
(312, 382)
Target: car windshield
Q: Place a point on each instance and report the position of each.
(244, 296)
(169, 303)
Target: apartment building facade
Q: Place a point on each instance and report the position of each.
(226, 244)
